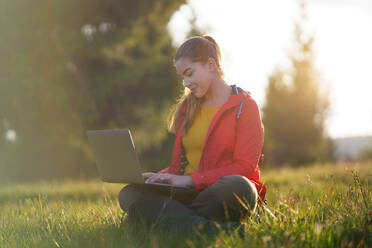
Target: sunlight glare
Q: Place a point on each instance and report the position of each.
(256, 36)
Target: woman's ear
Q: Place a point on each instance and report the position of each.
(212, 65)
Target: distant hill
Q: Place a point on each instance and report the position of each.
(349, 148)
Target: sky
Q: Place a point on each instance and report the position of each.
(255, 37)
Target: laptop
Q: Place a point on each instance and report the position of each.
(117, 161)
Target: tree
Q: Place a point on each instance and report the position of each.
(365, 154)
(296, 107)
(68, 66)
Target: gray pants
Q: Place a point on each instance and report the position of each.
(215, 203)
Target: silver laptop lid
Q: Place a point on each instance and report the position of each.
(116, 157)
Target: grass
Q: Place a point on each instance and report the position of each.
(316, 206)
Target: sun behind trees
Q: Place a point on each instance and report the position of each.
(296, 108)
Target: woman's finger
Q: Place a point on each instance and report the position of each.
(158, 178)
(153, 178)
(166, 178)
(147, 174)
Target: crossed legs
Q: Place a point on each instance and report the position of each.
(217, 202)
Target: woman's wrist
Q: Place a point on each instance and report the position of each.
(190, 182)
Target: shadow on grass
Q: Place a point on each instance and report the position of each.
(141, 234)
(56, 234)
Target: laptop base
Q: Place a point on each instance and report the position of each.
(181, 194)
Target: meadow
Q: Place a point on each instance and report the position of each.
(315, 206)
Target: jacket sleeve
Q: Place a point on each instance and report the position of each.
(166, 170)
(247, 152)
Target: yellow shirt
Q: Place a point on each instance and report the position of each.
(193, 141)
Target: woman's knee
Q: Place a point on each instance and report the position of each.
(127, 196)
(220, 199)
(237, 186)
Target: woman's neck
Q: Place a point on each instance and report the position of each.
(218, 93)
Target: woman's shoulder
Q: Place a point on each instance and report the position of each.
(246, 95)
(248, 106)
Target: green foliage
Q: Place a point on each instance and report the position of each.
(317, 206)
(68, 66)
(296, 108)
(365, 154)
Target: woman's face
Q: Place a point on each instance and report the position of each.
(196, 76)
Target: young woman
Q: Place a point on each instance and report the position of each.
(219, 139)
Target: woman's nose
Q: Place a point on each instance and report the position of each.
(186, 83)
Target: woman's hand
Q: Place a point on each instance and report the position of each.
(168, 179)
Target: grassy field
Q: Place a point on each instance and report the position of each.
(317, 206)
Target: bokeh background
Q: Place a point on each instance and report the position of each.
(71, 66)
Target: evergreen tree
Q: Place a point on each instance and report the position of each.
(296, 107)
(68, 66)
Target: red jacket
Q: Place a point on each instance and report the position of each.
(232, 146)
